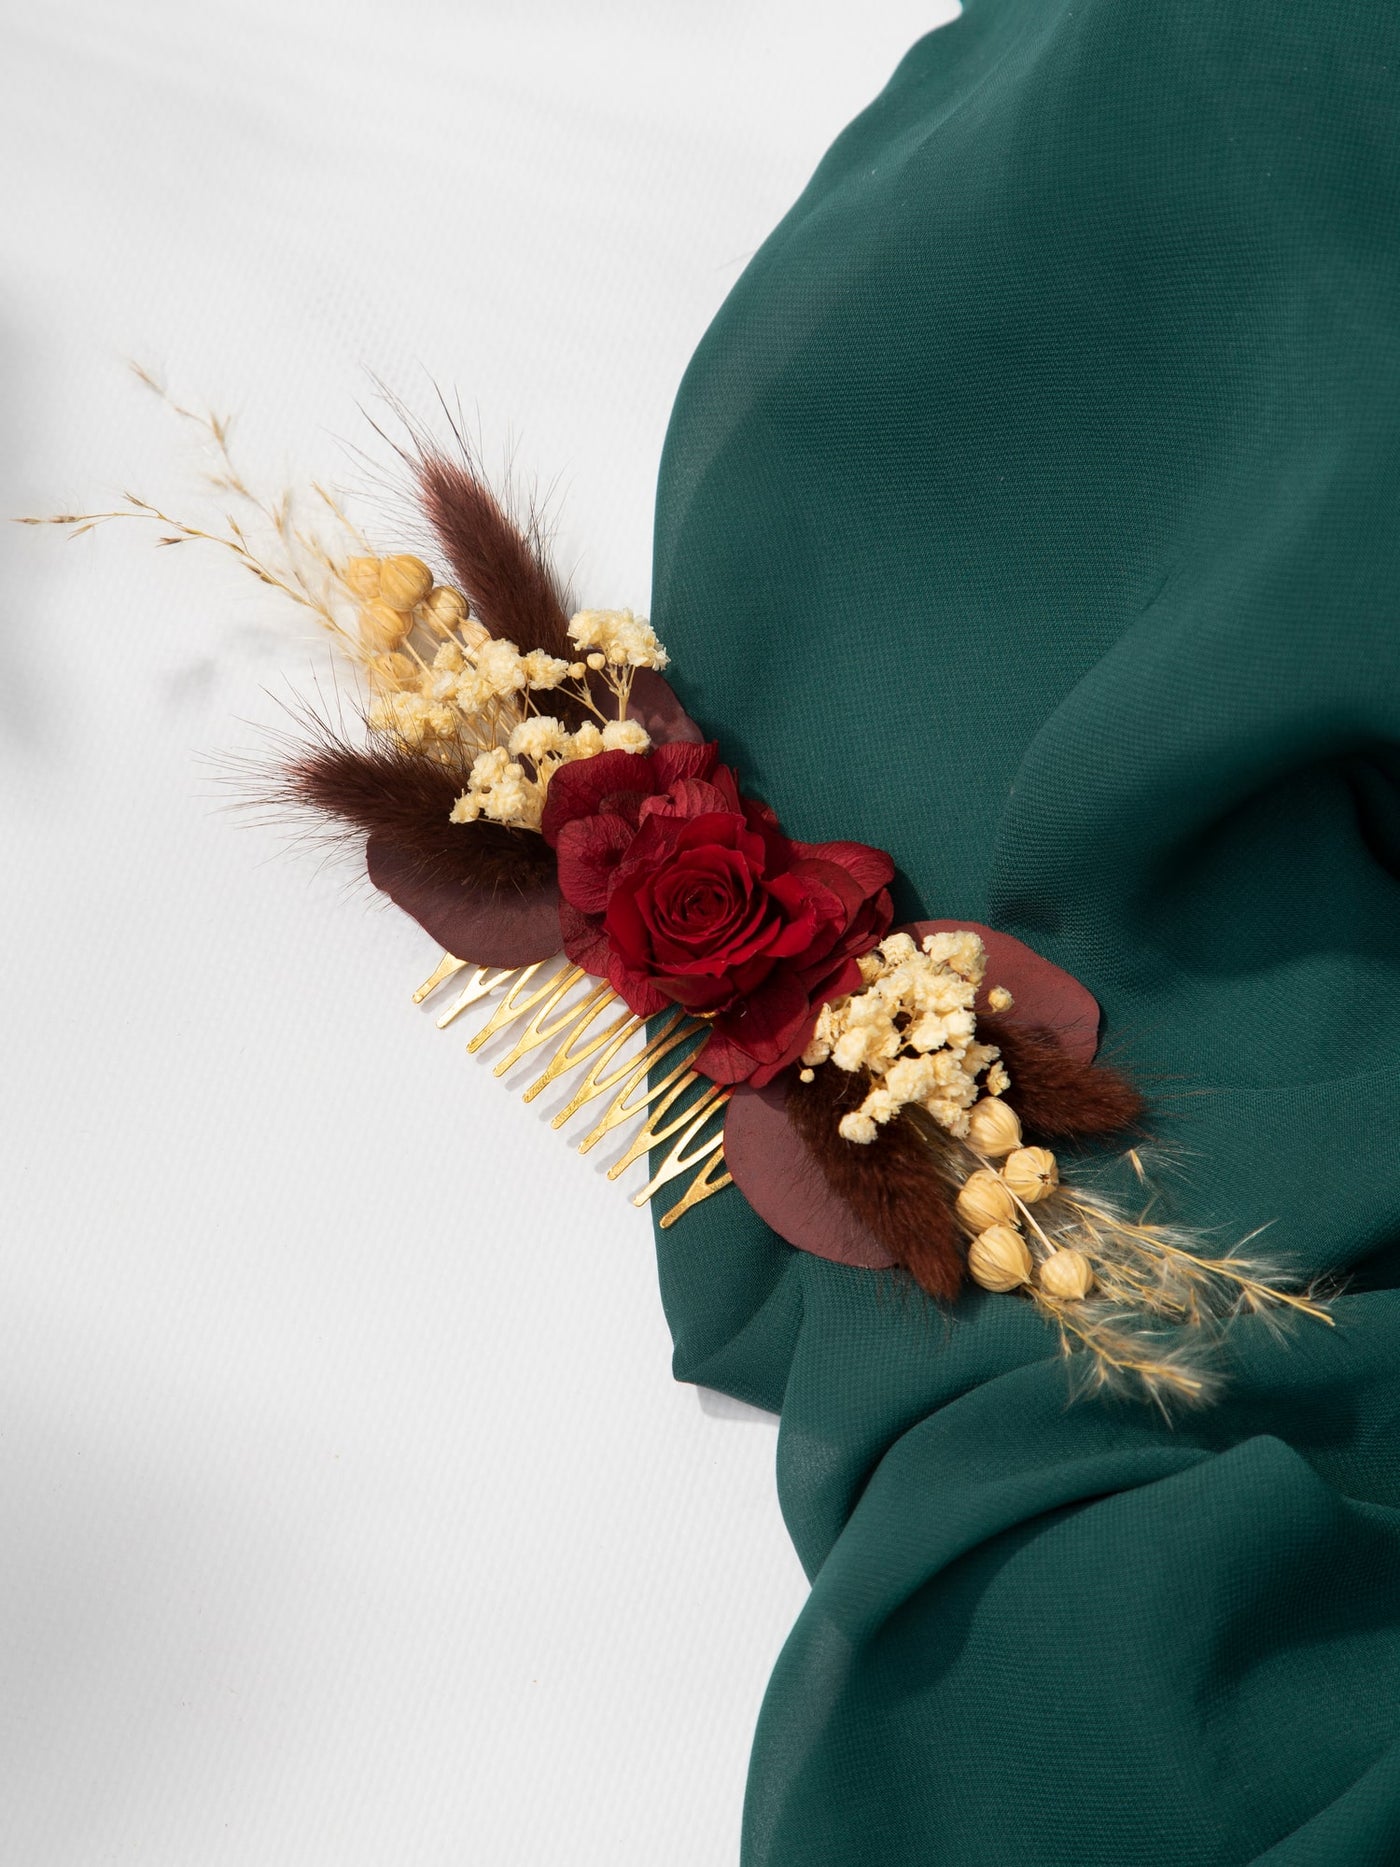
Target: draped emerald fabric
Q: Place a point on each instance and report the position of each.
(1032, 510)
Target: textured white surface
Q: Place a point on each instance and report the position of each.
(350, 1514)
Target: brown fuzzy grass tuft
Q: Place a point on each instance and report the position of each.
(895, 1185)
(404, 799)
(1057, 1097)
(504, 569)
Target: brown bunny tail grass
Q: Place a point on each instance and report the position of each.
(1056, 1096)
(405, 800)
(502, 568)
(895, 1185)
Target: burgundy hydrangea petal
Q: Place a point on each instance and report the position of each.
(867, 929)
(680, 759)
(589, 850)
(689, 797)
(636, 991)
(585, 943)
(775, 1171)
(845, 978)
(696, 991)
(578, 789)
(831, 876)
(586, 786)
(660, 839)
(652, 845)
(725, 828)
(503, 927)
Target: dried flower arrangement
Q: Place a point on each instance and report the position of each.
(531, 790)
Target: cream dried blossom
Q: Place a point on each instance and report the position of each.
(458, 689)
(626, 736)
(515, 799)
(544, 672)
(587, 742)
(439, 683)
(501, 665)
(538, 738)
(498, 788)
(622, 639)
(912, 1029)
(473, 692)
(407, 717)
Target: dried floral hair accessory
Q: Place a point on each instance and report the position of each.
(531, 790)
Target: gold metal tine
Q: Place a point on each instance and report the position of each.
(513, 1006)
(623, 1107)
(700, 1187)
(649, 1135)
(444, 969)
(547, 1022)
(566, 1058)
(537, 1032)
(483, 981)
(678, 1161)
(597, 1084)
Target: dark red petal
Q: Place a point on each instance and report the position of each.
(653, 847)
(724, 828)
(845, 979)
(707, 906)
(757, 1032)
(627, 930)
(696, 991)
(838, 978)
(831, 876)
(635, 989)
(865, 932)
(780, 848)
(869, 868)
(578, 789)
(800, 922)
(589, 850)
(734, 962)
(680, 759)
(688, 797)
(584, 940)
(751, 975)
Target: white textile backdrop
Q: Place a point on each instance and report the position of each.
(348, 1511)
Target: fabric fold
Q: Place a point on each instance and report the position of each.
(1028, 511)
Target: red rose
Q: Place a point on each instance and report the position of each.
(677, 890)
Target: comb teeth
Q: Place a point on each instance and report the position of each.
(545, 999)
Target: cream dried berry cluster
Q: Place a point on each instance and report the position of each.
(993, 1203)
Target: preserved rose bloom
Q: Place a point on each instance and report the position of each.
(680, 891)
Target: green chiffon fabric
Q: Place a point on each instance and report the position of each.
(1032, 510)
